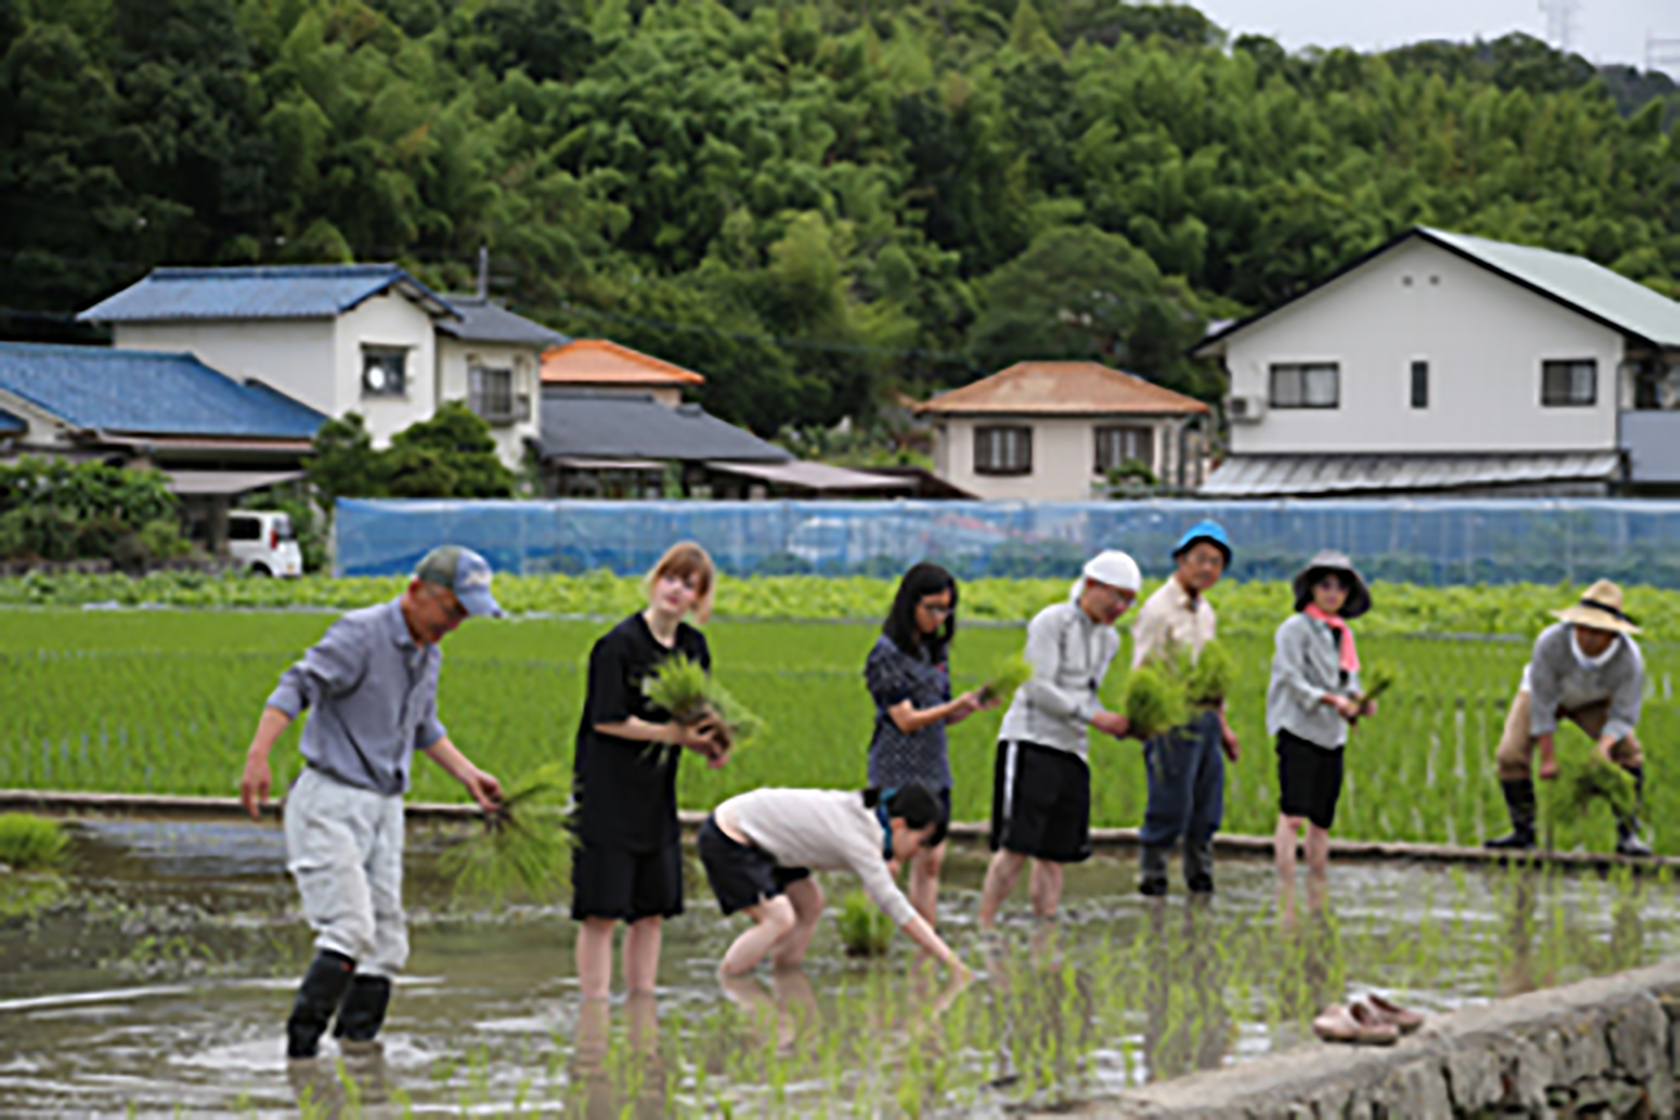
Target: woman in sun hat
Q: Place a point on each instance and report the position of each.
(1587, 668)
(1041, 787)
(1313, 699)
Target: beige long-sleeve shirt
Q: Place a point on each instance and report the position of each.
(1172, 619)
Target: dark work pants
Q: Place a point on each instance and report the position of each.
(1186, 783)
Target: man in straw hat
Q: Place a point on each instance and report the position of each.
(1041, 788)
(371, 686)
(1588, 669)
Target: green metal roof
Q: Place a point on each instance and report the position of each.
(1611, 298)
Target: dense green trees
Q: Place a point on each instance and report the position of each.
(808, 200)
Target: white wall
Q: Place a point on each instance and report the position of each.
(1483, 337)
(295, 356)
(1064, 456)
(456, 357)
(389, 320)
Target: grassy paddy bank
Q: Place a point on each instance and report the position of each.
(164, 702)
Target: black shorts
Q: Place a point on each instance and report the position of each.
(740, 874)
(613, 882)
(1041, 803)
(1309, 779)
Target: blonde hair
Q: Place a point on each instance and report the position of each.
(688, 561)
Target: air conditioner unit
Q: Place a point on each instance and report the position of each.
(1245, 410)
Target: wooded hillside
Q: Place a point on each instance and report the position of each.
(811, 202)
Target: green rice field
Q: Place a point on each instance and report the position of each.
(165, 701)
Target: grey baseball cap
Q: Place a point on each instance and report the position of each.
(464, 572)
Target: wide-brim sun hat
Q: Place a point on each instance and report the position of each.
(1600, 608)
(1206, 530)
(1329, 560)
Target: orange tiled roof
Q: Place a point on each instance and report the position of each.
(598, 361)
(1069, 388)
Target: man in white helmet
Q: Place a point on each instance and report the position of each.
(1041, 788)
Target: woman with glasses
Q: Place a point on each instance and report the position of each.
(1313, 699)
(910, 682)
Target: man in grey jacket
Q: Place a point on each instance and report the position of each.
(371, 682)
(1041, 788)
(1585, 668)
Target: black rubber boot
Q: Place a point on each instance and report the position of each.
(318, 997)
(363, 1011)
(1198, 866)
(1152, 870)
(1519, 799)
(1628, 842)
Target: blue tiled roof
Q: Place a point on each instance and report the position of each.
(148, 392)
(280, 292)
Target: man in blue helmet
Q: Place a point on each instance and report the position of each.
(1186, 765)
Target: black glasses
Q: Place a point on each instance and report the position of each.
(937, 610)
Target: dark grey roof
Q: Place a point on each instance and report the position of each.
(583, 424)
(308, 291)
(11, 424)
(484, 320)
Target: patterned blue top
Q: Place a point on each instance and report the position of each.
(895, 758)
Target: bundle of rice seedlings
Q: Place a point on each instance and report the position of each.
(29, 843)
(525, 845)
(864, 929)
(1208, 679)
(682, 687)
(1585, 778)
(1154, 701)
(1379, 677)
(1007, 678)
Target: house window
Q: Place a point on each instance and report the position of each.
(1003, 450)
(1116, 445)
(1569, 384)
(490, 394)
(1420, 384)
(1310, 385)
(384, 371)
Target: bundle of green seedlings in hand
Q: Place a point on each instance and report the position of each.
(524, 845)
(1583, 778)
(1378, 678)
(1154, 701)
(31, 843)
(864, 929)
(1208, 677)
(1007, 678)
(682, 687)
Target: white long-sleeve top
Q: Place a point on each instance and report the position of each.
(822, 830)
(1070, 655)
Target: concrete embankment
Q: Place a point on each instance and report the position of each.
(1608, 1047)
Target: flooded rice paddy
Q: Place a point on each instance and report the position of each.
(155, 975)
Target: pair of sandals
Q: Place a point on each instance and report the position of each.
(1371, 1021)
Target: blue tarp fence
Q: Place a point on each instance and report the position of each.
(1434, 542)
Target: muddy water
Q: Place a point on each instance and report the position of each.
(154, 976)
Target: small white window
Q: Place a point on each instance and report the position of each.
(1569, 384)
(490, 394)
(1003, 450)
(1122, 443)
(384, 371)
(1306, 385)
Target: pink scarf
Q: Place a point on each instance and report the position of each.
(1350, 655)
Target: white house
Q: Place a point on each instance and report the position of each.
(1052, 431)
(343, 338)
(1446, 363)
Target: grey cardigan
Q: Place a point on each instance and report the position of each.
(1559, 681)
(1306, 666)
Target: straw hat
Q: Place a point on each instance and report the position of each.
(1329, 560)
(1600, 608)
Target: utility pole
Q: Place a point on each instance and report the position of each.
(1560, 22)
(483, 272)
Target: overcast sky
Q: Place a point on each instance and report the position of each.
(1604, 30)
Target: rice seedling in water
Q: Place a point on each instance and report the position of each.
(1008, 675)
(864, 929)
(31, 843)
(524, 845)
(1154, 701)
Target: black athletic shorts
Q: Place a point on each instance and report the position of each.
(1041, 803)
(614, 882)
(740, 874)
(1309, 779)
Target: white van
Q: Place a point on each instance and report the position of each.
(262, 543)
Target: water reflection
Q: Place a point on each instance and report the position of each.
(348, 1086)
(609, 1079)
(1189, 1025)
(1311, 966)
